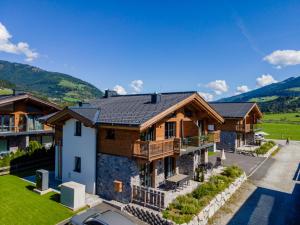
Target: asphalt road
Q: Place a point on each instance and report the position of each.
(276, 201)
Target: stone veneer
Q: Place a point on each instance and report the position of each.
(227, 140)
(111, 168)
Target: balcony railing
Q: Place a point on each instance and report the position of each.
(245, 128)
(156, 149)
(17, 129)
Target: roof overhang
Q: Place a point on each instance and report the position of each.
(11, 99)
(196, 98)
(67, 114)
(256, 108)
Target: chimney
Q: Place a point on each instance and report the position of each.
(110, 93)
(155, 98)
(14, 92)
(80, 104)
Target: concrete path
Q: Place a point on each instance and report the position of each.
(276, 200)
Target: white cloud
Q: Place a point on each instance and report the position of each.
(137, 85)
(218, 86)
(264, 80)
(120, 90)
(242, 89)
(207, 96)
(281, 58)
(20, 48)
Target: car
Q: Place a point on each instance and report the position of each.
(94, 217)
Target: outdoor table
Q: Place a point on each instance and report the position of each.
(178, 180)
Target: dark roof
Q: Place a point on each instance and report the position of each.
(232, 109)
(128, 109)
(4, 99)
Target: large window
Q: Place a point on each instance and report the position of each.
(3, 145)
(78, 126)
(77, 164)
(7, 123)
(33, 123)
(148, 135)
(170, 130)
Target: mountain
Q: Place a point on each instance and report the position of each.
(58, 87)
(283, 96)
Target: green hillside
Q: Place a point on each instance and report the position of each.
(58, 87)
(278, 97)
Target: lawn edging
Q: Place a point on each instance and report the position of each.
(216, 203)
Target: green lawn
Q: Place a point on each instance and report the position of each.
(21, 206)
(282, 131)
(282, 117)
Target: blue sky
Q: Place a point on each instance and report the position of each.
(209, 46)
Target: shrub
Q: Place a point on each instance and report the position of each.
(33, 146)
(232, 172)
(265, 148)
(185, 207)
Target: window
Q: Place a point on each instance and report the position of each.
(211, 127)
(3, 145)
(7, 123)
(148, 135)
(110, 134)
(170, 130)
(78, 128)
(77, 164)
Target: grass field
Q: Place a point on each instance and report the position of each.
(282, 117)
(21, 206)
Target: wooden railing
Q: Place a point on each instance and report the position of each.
(214, 136)
(148, 197)
(155, 149)
(244, 128)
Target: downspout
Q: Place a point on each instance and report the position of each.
(96, 157)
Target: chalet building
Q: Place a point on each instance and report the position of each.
(123, 141)
(240, 124)
(19, 123)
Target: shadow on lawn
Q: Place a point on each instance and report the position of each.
(55, 197)
(270, 207)
(30, 187)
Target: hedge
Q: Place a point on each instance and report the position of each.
(34, 151)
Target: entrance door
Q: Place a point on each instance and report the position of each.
(169, 167)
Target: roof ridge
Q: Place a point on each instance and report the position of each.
(163, 93)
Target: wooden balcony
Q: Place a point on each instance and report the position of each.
(151, 150)
(214, 136)
(245, 128)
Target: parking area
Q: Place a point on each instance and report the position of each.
(247, 163)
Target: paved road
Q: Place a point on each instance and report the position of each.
(248, 163)
(276, 201)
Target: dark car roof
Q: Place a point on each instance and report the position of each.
(232, 109)
(128, 109)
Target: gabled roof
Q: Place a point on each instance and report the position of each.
(136, 110)
(235, 109)
(5, 99)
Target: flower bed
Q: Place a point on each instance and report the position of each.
(186, 207)
(262, 150)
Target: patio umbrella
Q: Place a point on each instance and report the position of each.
(223, 157)
(262, 133)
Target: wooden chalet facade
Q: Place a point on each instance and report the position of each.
(240, 124)
(138, 140)
(19, 124)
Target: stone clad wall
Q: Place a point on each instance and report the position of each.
(227, 141)
(110, 168)
(185, 164)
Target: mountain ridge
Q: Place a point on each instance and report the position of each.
(58, 87)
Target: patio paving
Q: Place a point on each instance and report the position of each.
(247, 163)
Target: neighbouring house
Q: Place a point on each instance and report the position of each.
(240, 123)
(121, 142)
(19, 123)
